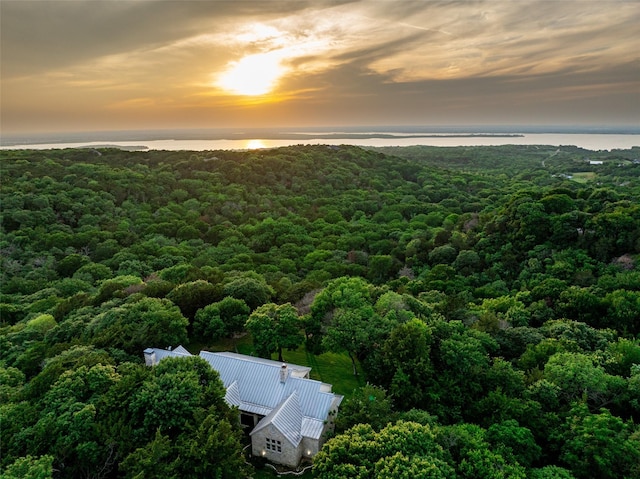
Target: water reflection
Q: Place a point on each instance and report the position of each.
(255, 144)
(588, 141)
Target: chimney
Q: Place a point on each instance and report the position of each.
(283, 373)
(150, 357)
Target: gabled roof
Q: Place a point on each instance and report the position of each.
(233, 395)
(287, 418)
(296, 370)
(181, 350)
(168, 353)
(261, 389)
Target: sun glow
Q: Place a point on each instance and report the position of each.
(255, 144)
(253, 75)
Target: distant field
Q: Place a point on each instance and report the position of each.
(583, 176)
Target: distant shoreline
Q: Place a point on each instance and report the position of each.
(337, 132)
(254, 140)
(266, 136)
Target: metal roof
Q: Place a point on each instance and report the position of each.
(164, 353)
(255, 385)
(287, 418)
(260, 384)
(232, 395)
(181, 350)
(293, 367)
(311, 428)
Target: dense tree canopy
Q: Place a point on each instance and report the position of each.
(487, 298)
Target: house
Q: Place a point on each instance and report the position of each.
(289, 415)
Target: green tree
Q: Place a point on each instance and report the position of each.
(180, 392)
(467, 262)
(514, 441)
(115, 287)
(621, 356)
(578, 377)
(213, 450)
(135, 325)
(252, 291)
(406, 357)
(486, 464)
(367, 405)
(400, 466)
(221, 319)
(68, 425)
(382, 267)
(194, 295)
(353, 331)
(70, 359)
(623, 310)
(445, 254)
(341, 293)
(275, 327)
(30, 467)
(473, 456)
(550, 472)
(461, 363)
(402, 448)
(599, 445)
(154, 460)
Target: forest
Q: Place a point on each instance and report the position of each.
(482, 304)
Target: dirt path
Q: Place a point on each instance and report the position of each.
(550, 156)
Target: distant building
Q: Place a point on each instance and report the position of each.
(289, 414)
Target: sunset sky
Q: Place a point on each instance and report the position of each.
(86, 65)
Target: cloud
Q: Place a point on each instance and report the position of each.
(359, 61)
(40, 35)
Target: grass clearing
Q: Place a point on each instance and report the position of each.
(332, 368)
(583, 176)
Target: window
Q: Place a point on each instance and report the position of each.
(273, 445)
(247, 420)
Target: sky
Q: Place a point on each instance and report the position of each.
(88, 65)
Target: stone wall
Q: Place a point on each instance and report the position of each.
(290, 454)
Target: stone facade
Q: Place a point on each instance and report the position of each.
(271, 444)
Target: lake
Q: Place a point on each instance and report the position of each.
(588, 141)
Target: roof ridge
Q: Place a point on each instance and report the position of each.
(283, 416)
(232, 395)
(255, 359)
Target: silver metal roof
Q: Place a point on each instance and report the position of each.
(181, 350)
(232, 395)
(163, 353)
(311, 428)
(271, 362)
(287, 418)
(254, 385)
(259, 384)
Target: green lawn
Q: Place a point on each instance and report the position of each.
(331, 368)
(583, 176)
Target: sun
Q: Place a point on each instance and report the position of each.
(253, 75)
(255, 145)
